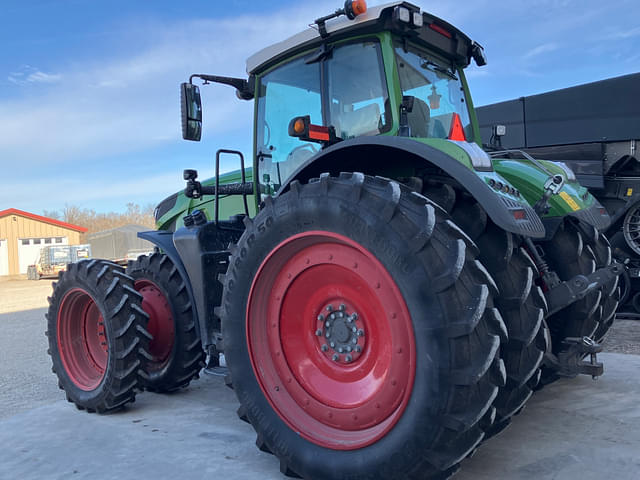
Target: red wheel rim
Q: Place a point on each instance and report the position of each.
(315, 295)
(161, 325)
(82, 339)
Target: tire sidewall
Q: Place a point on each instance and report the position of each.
(96, 396)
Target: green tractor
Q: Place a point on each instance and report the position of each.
(385, 293)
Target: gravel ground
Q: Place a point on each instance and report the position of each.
(26, 380)
(18, 295)
(624, 337)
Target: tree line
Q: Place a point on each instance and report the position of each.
(99, 221)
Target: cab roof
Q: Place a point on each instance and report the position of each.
(452, 43)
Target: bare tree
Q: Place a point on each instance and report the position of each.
(97, 222)
(51, 214)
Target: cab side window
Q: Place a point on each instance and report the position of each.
(357, 90)
(287, 92)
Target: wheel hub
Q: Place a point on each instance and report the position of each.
(161, 324)
(341, 334)
(82, 339)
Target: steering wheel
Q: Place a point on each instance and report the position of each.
(267, 138)
(309, 147)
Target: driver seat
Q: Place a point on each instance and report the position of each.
(418, 119)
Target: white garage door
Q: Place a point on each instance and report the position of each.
(29, 249)
(4, 257)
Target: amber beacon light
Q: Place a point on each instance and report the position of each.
(354, 8)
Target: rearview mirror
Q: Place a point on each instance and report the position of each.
(191, 111)
(477, 52)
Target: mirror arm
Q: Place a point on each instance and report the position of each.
(244, 87)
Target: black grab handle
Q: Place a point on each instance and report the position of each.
(217, 189)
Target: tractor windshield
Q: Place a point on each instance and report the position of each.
(437, 91)
(346, 90)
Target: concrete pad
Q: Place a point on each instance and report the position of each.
(573, 429)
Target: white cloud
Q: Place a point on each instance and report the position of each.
(94, 111)
(540, 49)
(30, 75)
(623, 34)
(130, 102)
(42, 77)
(97, 111)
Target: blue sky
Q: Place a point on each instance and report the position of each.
(89, 110)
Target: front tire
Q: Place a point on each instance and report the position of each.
(176, 349)
(97, 335)
(390, 273)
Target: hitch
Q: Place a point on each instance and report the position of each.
(570, 362)
(564, 294)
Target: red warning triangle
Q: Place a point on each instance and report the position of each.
(457, 132)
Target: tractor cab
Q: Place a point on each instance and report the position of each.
(390, 70)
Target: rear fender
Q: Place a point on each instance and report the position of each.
(401, 156)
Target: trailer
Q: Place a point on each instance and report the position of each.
(594, 130)
(55, 258)
(120, 244)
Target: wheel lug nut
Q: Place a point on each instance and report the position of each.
(354, 329)
(324, 348)
(329, 308)
(327, 323)
(340, 315)
(360, 333)
(327, 334)
(340, 350)
(332, 316)
(318, 333)
(358, 348)
(320, 318)
(333, 344)
(348, 348)
(335, 357)
(349, 320)
(355, 340)
(342, 307)
(354, 315)
(348, 358)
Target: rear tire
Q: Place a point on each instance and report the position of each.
(176, 347)
(97, 335)
(521, 303)
(365, 245)
(611, 292)
(569, 253)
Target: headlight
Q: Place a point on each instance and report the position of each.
(571, 177)
(164, 206)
